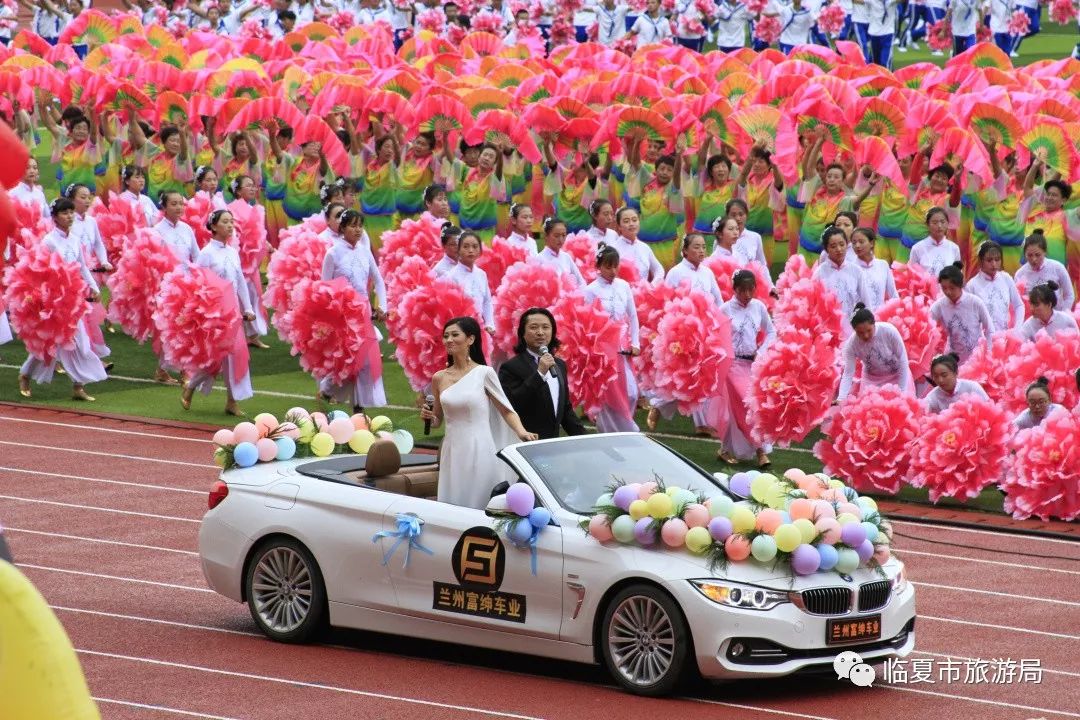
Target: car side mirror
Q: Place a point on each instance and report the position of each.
(497, 504)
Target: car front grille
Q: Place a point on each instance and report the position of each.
(874, 595)
(827, 601)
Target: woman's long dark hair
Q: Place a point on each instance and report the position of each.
(471, 328)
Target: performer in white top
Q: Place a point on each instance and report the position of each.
(943, 371)
(332, 214)
(631, 249)
(877, 274)
(732, 19)
(1040, 406)
(749, 243)
(691, 270)
(521, 223)
(85, 227)
(617, 414)
(79, 360)
(651, 26)
(844, 279)
(28, 191)
(448, 236)
(349, 259)
(796, 20)
(472, 279)
(133, 180)
(962, 315)
(936, 251)
(603, 220)
(1039, 269)
(880, 349)
(176, 233)
(552, 255)
(996, 289)
(610, 22)
(1044, 315)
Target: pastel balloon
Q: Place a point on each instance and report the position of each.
(695, 515)
(384, 435)
(673, 532)
(763, 548)
(672, 490)
(660, 505)
(307, 430)
(403, 439)
(245, 454)
(224, 436)
(220, 456)
(868, 504)
(768, 520)
(742, 519)
(361, 441)
(805, 560)
(721, 506)
(265, 422)
(539, 517)
(599, 528)
(603, 500)
(698, 539)
(787, 538)
(737, 547)
(777, 497)
(847, 519)
(320, 421)
(643, 531)
(623, 496)
(720, 528)
(288, 429)
(740, 484)
(520, 531)
(794, 474)
(881, 554)
(646, 489)
(850, 509)
(359, 421)
(852, 534)
(298, 413)
(761, 486)
(828, 556)
(286, 447)
(381, 422)
(341, 429)
(322, 444)
(636, 487)
(871, 531)
(823, 509)
(684, 497)
(245, 432)
(829, 530)
(638, 509)
(865, 551)
(807, 532)
(267, 449)
(847, 560)
(521, 499)
(336, 415)
(837, 484)
(623, 529)
(801, 508)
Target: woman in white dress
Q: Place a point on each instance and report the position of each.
(879, 348)
(448, 236)
(962, 315)
(841, 277)
(480, 420)
(133, 180)
(944, 371)
(1038, 269)
(521, 225)
(552, 255)
(472, 279)
(996, 289)
(1040, 405)
(1045, 317)
(877, 274)
(602, 213)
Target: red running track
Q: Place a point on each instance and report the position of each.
(102, 515)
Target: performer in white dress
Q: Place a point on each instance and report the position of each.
(936, 251)
(133, 180)
(80, 362)
(962, 315)
(28, 191)
(449, 239)
(1045, 317)
(1039, 269)
(552, 255)
(843, 278)
(617, 414)
(1040, 405)
(472, 279)
(879, 348)
(996, 289)
(86, 229)
(479, 419)
(177, 234)
(521, 223)
(603, 222)
(877, 274)
(332, 213)
(950, 388)
(631, 249)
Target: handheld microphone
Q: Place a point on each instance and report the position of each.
(429, 403)
(544, 351)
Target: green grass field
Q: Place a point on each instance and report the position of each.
(1052, 43)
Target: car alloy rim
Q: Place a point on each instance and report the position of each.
(641, 640)
(281, 588)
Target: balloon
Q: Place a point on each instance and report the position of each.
(341, 429)
(721, 506)
(245, 432)
(337, 415)
(829, 530)
(219, 457)
(742, 519)
(673, 490)
(673, 532)
(267, 449)
(660, 505)
(643, 531)
(871, 531)
(646, 489)
(521, 499)
(737, 548)
(319, 420)
(847, 560)
(265, 422)
(638, 509)
(851, 494)
(361, 441)
(288, 429)
(322, 444)
(828, 556)
(763, 548)
(850, 509)
(805, 560)
(787, 538)
(867, 504)
(695, 515)
(224, 436)
(539, 517)
(823, 508)
(697, 539)
(801, 508)
(881, 554)
(298, 413)
(806, 529)
(761, 486)
(381, 422)
(623, 528)
(245, 454)
(720, 528)
(865, 551)
(403, 439)
(307, 430)
(383, 435)
(794, 475)
(604, 499)
(768, 520)
(740, 484)
(835, 484)
(684, 497)
(599, 528)
(359, 421)
(286, 447)
(853, 534)
(623, 496)
(520, 531)
(776, 497)
(846, 519)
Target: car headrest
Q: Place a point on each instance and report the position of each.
(383, 458)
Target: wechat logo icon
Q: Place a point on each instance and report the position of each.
(850, 666)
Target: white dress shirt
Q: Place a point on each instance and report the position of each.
(965, 17)
(551, 379)
(516, 239)
(85, 228)
(356, 264)
(879, 281)
(884, 359)
(144, 203)
(795, 24)
(641, 255)
(1002, 301)
(964, 322)
(747, 323)
(30, 196)
(732, 18)
(564, 265)
(1059, 322)
(651, 30)
(610, 24)
(700, 278)
(938, 400)
(933, 255)
(474, 282)
(224, 260)
(1050, 270)
(603, 236)
(618, 301)
(180, 238)
(444, 266)
(881, 17)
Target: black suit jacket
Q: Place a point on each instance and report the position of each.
(529, 394)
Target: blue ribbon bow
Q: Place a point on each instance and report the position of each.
(409, 528)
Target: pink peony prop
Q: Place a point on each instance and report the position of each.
(32, 225)
(922, 336)
(196, 212)
(939, 36)
(756, 7)
(411, 274)
(1023, 290)
(809, 304)
(331, 329)
(1062, 12)
(831, 18)
(414, 238)
(767, 29)
(591, 341)
(867, 441)
(792, 386)
(961, 450)
(499, 258)
(135, 285)
(1044, 477)
(986, 365)
(691, 351)
(299, 257)
(197, 320)
(45, 299)
(416, 328)
(582, 248)
(1019, 23)
(795, 269)
(525, 285)
(250, 226)
(650, 302)
(1055, 358)
(118, 224)
(912, 280)
(723, 268)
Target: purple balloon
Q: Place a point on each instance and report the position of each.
(720, 528)
(740, 484)
(623, 497)
(865, 551)
(806, 560)
(853, 534)
(643, 534)
(521, 499)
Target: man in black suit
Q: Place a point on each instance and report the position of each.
(535, 380)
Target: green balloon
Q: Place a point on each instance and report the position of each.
(847, 560)
(763, 548)
(623, 530)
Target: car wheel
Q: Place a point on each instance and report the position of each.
(285, 591)
(645, 642)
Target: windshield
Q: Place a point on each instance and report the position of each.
(580, 470)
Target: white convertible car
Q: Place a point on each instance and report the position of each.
(294, 540)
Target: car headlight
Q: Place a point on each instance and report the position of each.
(899, 581)
(747, 597)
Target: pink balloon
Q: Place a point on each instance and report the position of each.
(673, 532)
(320, 421)
(696, 515)
(341, 430)
(224, 436)
(768, 520)
(384, 435)
(635, 488)
(737, 547)
(646, 489)
(359, 421)
(267, 449)
(881, 554)
(599, 528)
(245, 432)
(829, 529)
(287, 429)
(265, 422)
(801, 508)
(794, 475)
(298, 412)
(846, 507)
(823, 509)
